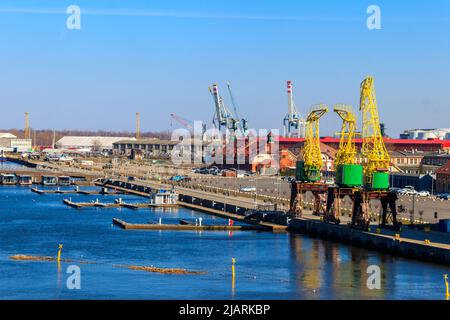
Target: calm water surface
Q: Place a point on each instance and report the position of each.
(268, 265)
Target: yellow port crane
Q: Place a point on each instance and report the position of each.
(311, 151)
(347, 172)
(377, 160)
(346, 153)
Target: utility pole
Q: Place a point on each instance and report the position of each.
(411, 217)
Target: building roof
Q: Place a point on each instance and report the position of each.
(387, 141)
(145, 141)
(409, 153)
(87, 141)
(154, 141)
(444, 169)
(7, 135)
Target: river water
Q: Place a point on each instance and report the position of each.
(268, 265)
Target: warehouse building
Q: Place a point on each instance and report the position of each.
(426, 134)
(89, 143)
(10, 143)
(156, 148)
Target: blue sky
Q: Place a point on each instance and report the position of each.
(158, 57)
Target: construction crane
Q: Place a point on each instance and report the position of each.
(377, 160)
(293, 119)
(312, 155)
(241, 122)
(188, 124)
(348, 172)
(185, 123)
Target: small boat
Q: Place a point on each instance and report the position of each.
(185, 222)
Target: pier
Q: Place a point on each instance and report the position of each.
(147, 226)
(122, 204)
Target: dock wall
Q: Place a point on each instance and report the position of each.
(387, 244)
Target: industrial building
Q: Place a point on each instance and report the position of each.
(443, 178)
(10, 143)
(426, 134)
(156, 148)
(89, 143)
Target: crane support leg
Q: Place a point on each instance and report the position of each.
(333, 206)
(389, 210)
(360, 214)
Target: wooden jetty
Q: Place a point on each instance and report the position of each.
(148, 226)
(133, 206)
(78, 205)
(74, 191)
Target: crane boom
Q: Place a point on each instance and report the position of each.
(377, 162)
(241, 123)
(185, 123)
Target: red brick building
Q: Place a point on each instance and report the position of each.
(391, 144)
(443, 178)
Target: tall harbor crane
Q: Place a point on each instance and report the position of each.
(376, 166)
(311, 152)
(223, 117)
(242, 123)
(294, 124)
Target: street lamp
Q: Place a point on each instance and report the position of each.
(412, 212)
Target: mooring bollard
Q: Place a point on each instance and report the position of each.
(160, 221)
(200, 221)
(447, 292)
(59, 253)
(233, 273)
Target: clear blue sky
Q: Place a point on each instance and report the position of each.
(158, 57)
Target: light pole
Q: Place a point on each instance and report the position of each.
(278, 184)
(411, 217)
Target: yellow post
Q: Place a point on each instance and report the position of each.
(447, 292)
(59, 253)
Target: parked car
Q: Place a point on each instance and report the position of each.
(423, 193)
(443, 196)
(247, 189)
